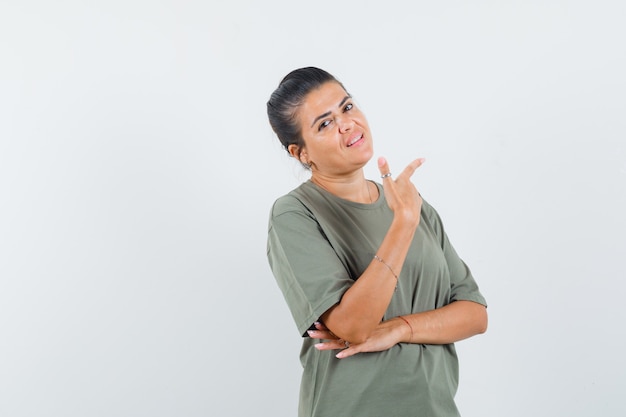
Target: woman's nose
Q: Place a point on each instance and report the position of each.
(345, 124)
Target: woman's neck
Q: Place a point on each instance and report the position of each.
(352, 188)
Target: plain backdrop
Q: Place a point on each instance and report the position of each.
(137, 170)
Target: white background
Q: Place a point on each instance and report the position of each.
(137, 170)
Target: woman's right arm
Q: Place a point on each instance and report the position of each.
(364, 304)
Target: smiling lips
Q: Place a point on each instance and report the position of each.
(355, 140)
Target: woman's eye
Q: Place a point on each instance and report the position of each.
(324, 124)
(348, 107)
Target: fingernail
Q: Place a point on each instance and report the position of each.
(318, 345)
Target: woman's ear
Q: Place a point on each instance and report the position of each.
(294, 150)
(304, 158)
(298, 153)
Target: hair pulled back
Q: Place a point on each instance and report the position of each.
(283, 104)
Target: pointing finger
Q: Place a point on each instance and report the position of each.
(410, 169)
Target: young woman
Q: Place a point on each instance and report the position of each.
(370, 277)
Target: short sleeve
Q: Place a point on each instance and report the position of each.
(307, 269)
(463, 285)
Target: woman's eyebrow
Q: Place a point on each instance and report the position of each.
(321, 116)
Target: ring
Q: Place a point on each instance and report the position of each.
(386, 175)
(346, 344)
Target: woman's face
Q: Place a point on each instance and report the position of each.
(336, 135)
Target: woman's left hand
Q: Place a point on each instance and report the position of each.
(386, 335)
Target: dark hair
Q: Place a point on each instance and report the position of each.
(284, 102)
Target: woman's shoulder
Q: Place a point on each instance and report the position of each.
(295, 200)
(430, 213)
(428, 208)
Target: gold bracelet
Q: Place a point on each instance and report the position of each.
(379, 259)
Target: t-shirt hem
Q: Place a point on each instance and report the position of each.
(473, 297)
(318, 312)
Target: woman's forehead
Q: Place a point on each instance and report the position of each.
(328, 97)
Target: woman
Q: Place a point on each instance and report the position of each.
(366, 269)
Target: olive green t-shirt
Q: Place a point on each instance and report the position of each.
(318, 245)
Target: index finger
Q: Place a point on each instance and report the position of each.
(410, 169)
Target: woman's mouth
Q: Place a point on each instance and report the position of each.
(355, 140)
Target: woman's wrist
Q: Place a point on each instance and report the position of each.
(405, 328)
(407, 218)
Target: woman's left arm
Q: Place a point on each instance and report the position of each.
(451, 323)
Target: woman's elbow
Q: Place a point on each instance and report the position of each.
(356, 331)
(357, 335)
(482, 320)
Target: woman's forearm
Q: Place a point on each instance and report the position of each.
(451, 323)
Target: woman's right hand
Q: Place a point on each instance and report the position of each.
(401, 195)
